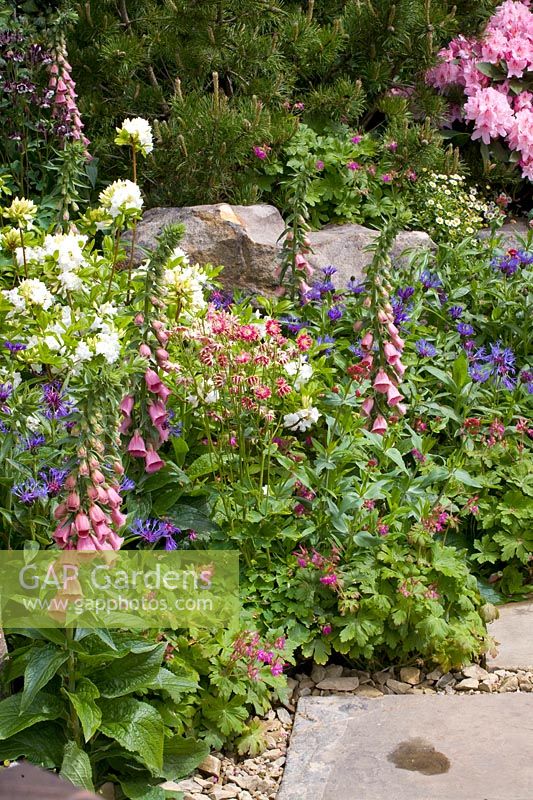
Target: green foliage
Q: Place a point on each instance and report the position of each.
(223, 76)
(106, 698)
(446, 208)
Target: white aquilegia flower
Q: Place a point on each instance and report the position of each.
(121, 197)
(301, 420)
(301, 371)
(136, 133)
(185, 283)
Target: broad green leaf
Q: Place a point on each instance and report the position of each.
(463, 477)
(188, 517)
(129, 674)
(175, 685)
(41, 744)
(228, 716)
(137, 727)
(396, 456)
(460, 371)
(43, 663)
(76, 767)
(140, 789)
(86, 709)
(13, 719)
(203, 465)
(181, 756)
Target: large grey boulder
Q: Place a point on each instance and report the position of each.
(246, 240)
(511, 234)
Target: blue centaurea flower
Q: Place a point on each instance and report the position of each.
(29, 491)
(152, 530)
(326, 340)
(329, 271)
(425, 348)
(222, 300)
(293, 324)
(456, 312)
(406, 293)
(54, 480)
(509, 263)
(56, 406)
(464, 329)
(32, 442)
(335, 313)
(430, 280)
(15, 347)
(127, 484)
(355, 287)
(402, 313)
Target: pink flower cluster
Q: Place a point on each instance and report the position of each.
(327, 565)
(387, 373)
(65, 108)
(496, 107)
(90, 515)
(256, 654)
(152, 415)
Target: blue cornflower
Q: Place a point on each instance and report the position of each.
(464, 329)
(357, 350)
(430, 280)
(511, 261)
(54, 480)
(6, 390)
(405, 293)
(355, 287)
(15, 347)
(3, 427)
(222, 300)
(293, 324)
(456, 312)
(56, 406)
(152, 530)
(326, 340)
(443, 297)
(324, 287)
(313, 293)
(478, 374)
(29, 491)
(329, 271)
(32, 442)
(402, 313)
(335, 313)
(126, 484)
(425, 349)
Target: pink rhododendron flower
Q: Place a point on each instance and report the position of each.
(491, 113)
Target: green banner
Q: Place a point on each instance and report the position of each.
(126, 589)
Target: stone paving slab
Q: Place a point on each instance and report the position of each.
(430, 747)
(514, 632)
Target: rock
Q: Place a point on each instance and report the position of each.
(475, 671)
(226, 792)
(510, 233)
(333, 671)
(445, 680)
(344, 246)
(338, 684)
(398, 687)
(272, 755)
(304, 692)
(245, 240)
(383, 675)
(307, 683)
(188, 785)
(248, 782)
(526, 684)
(410, 675)
(211, 765)
(434, 675)
(284, 716)
(368, 691)
(467, 684)
(509, 684)
(318, 673)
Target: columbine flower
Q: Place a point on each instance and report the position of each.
(121, 197)
(136, 133)
(29, 491)
(301, 420)
(425, 349)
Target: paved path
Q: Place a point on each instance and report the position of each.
(421, 747)
(514, 632)
(432, 747)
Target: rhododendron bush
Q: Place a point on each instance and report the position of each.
(493, 74)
